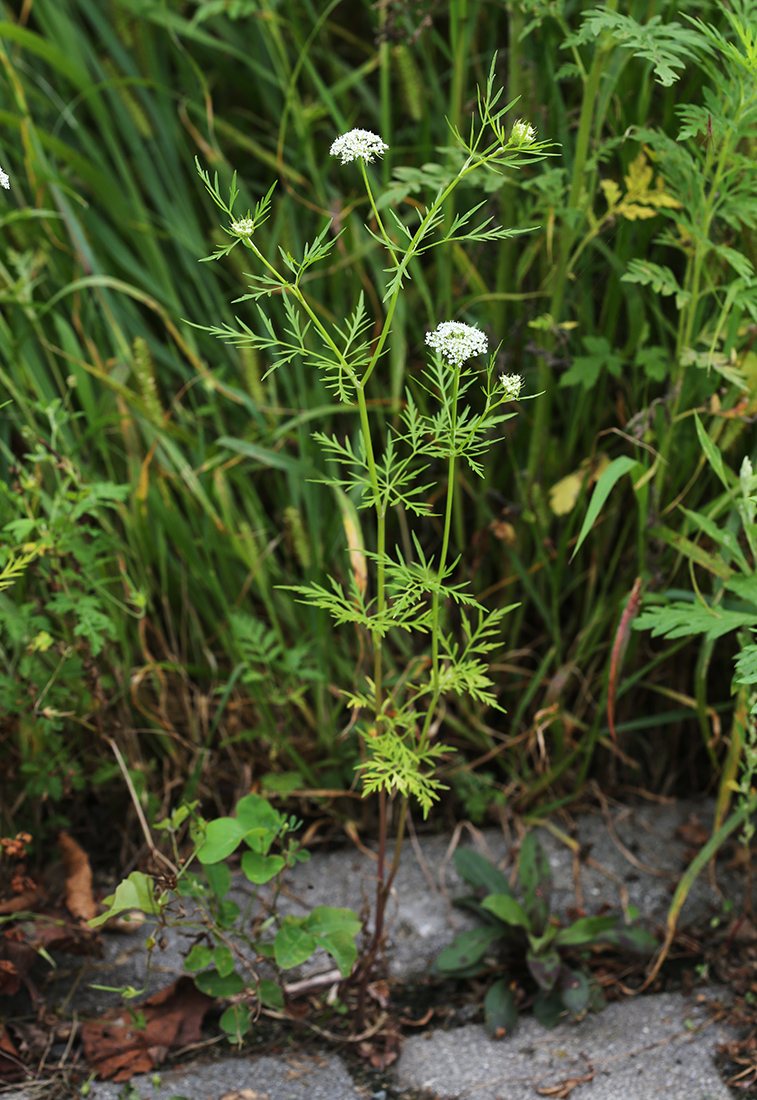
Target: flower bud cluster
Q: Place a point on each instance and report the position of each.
(243, 228)
(511, 384)
(522, 133)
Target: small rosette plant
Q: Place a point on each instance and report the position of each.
(514, 931)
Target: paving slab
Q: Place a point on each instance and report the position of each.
(639, 1049)
(627, 856)
(631, 857)
(300, 1078)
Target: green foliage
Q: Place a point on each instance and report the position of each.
(564, 983)
(731, 567)
(225, 948)
(98, 257)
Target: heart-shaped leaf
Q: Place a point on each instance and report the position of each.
(216, 985)
(341, 946)
(236, 1022)
(293, 944)
(222, 837)
(325, 919)
(270, 994)
(259, 868)
(198, 958)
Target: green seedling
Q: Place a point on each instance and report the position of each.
(511, 930)
(227, 943)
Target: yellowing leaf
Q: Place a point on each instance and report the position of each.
(642, 199)
(612, 193)
(355, 544)
(564, 493)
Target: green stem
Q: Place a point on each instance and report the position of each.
(692, 284)
(567, 236)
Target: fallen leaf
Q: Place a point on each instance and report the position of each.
(79, 897)
(11, 1066)
(9, 979)
(563, 1089)
(565, 492)
(27, 900)
(245, 1094)
(117, 1049)
(693, 832)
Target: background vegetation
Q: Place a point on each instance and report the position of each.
(168, 488)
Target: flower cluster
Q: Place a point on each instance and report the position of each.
(4, 180)
(522, 133)
(358, 143)
(511, 384)
(456, 342)
(243, 228)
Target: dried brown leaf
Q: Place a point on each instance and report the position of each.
(79, 897)
(117, 1049)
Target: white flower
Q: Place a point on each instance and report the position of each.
(243, 228)
(358, 143)
(4, 180)
(511, 384)
(456, 341)
(522, 133)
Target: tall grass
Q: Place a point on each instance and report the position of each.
(210, 673)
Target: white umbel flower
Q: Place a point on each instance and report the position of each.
(243, 228)
(522, 133)
(456, 341)
(358, 143)
(511, 384)
(4, 180)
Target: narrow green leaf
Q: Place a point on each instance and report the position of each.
(507, 909)
(585, 930)
(536, 880)
(712, 454)
(549, 1009)
(545, 968)
(500, 1013)
(576, 994)
(467, 948)
(613, 473)
(479, 872)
